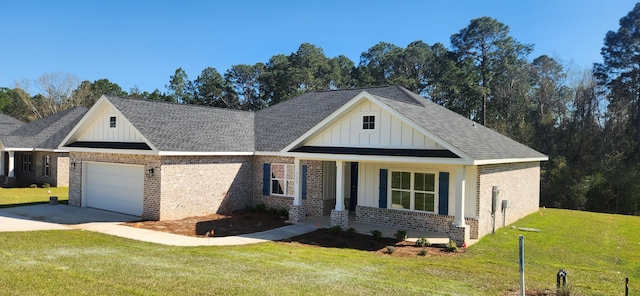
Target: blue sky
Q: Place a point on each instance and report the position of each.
(142, 43)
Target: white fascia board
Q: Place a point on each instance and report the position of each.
(204, 153)
(510, 160)
(367, 158)
(50, 150)
(19, 149)
(111, 151)
(102, 103)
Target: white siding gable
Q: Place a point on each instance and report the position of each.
(100, 129)
(388, 132)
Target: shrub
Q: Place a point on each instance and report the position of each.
(250, 208)
(401, 235)
(335, 229)
(46, 185)
(423, 242)
(261, 208)
(33, 186)
(451, 246)
(391, 249)
(423, 252)
(351, 232)
(377, 234)
(273, 211)
(283, 212)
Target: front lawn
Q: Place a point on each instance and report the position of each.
(12, 197)
(597, 250)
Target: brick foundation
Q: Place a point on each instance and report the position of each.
(340, 218)
(296, 214)
(459, 234)
(412, 220)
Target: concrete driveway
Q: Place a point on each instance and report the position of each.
(61, 217)
(52, 217)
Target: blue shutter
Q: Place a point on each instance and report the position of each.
(383, 189)
(303, 192)
(443, 194)
(266, 179)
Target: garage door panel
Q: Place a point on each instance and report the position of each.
(115, 187)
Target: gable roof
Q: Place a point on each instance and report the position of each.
(44, 133)
(172, 127)
(8, 124)
(280, 125)
(176, 128)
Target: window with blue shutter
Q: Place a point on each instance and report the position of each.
(266, 179)
(303, 191)
(443, 194)
(383, 189)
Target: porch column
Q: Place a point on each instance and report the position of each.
(340, 216)
(459, 230)
(11, 163)
(296, 212)
(339, 186)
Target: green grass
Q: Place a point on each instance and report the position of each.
(597, 250)
(11, 197)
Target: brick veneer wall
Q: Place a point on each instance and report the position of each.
(180, 186)
(519, 183)
(196, 186)
(313, 204)
(411, 220)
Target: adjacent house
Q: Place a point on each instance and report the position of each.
(383, 154)
(30, 153)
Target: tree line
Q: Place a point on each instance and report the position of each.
(587, 121)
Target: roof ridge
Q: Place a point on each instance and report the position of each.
(178, 104)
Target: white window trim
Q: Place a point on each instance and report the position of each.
(376, 123)
(26, 163)
(413, 191)
(46, 164)
(287, 179)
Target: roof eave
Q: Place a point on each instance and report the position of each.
(510, 160)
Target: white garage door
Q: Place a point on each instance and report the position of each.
(115, 187)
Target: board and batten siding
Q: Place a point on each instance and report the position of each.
(389, 132)
(100, 130)
(369, 178)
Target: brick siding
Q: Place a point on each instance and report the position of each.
(519, 183)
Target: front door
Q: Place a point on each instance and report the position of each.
(353, 197)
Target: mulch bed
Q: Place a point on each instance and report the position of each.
(236, 223)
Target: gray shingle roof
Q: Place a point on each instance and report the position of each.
(189, 128)
(45, 133)
(8, 124)
(279, 125)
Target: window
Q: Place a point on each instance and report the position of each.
(413, 191)
(282, 179)
(26, 162)
(368, 122)
(46, 165)
(112, 121)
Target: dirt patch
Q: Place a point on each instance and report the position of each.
(236, 223)
(358, 241)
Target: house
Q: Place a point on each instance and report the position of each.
(384, 154)
(30, 153)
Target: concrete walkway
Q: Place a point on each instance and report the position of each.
(63, 217)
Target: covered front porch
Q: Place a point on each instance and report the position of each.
(368, 193)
